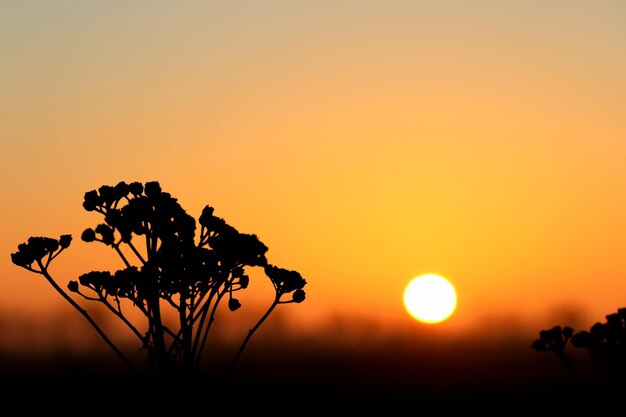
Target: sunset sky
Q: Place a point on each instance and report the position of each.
(364, 142)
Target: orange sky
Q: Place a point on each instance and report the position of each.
(364, 142)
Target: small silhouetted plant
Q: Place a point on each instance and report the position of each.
(605, 343)
(555, 340)
(168, 265)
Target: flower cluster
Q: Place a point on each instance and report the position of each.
(605, 343)
(554, 340)
(38, 248)
(286, 281)
(172, 261)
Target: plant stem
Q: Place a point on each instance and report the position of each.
(70, 300)
(231, 367)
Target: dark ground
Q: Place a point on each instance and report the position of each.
(500, 378)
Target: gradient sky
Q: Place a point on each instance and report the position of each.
(364, 142)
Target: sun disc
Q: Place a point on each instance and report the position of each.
(430, 298)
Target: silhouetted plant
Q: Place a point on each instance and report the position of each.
(555, 340)
(167, 266)
(605, 343)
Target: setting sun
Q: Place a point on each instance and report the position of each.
(430, 298)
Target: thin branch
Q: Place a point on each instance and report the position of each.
(31, 269)
(54, 255)
(86, 315)
(119, 252)
(136, 252)
(170, 302)
(231, 367)
(48, 260)
(118, 314)
(208, 327)
(202, 314)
